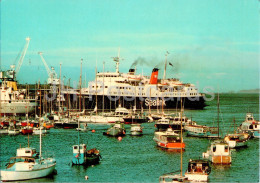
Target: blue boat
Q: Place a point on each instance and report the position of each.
(82, 156)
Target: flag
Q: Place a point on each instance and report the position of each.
(170, 64)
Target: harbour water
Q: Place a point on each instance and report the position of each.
(138, 159)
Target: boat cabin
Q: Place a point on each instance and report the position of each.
(79, 148)
(26, 152)
(199, 166)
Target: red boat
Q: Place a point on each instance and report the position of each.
(26, 131)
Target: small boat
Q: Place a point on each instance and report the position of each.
(172, 178)
(13, 131)
(118, 129)
(201, 131)
(198, 170)
(136, 118)
(82, 127)
(3, 130)
(28, 164)
(251, 126)
(26, 130)
(40, 130)
(82, 156)
(218, 153)
(237, 139)
(66, 123)
(136, 129)
(165, 123)
(169, 139)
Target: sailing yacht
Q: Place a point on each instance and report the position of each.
(28, 164)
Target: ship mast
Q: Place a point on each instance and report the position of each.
(164, 74)
(181, 136)
(117, 59)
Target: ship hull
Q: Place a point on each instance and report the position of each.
(11, 108)
(110, 102)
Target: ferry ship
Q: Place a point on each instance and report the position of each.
(135, 91)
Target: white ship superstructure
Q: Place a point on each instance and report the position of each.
(13, 101)
(131, 89)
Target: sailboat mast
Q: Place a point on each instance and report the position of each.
(40, 128)
(218, 115)
(181, 137)
(59, 91)
(103, 90)
(80, 81)
(96, 90)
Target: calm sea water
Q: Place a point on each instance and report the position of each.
(138, 159)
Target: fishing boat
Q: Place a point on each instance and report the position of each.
(82, 156)
(28, 164)
(136, 129)
(168, 139)
(201, 131)
(218, 153)
(198, 170)
(173, 122)
(237, 140)
(117, 129)
(251, 126)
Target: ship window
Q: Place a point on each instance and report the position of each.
(226, 148)
(75, 147)
(255, 126)
(105, 86)
(214, 148)
(251, 127)
(28, 151)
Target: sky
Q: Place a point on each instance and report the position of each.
(210, 43)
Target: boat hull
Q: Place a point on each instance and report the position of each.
(17, 108)
(221, 159)
(200, 177)
(26, 175)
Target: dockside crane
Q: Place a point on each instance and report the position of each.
(51, 72)
(10, 75)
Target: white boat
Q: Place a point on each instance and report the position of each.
(136, 129)
(27, 164)
(168, 139)
(172, 178)
(82, 127)
(218, 153)
(13, 131)
(39, 130)
(198, 170)
(237, 139)
(251, 126)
